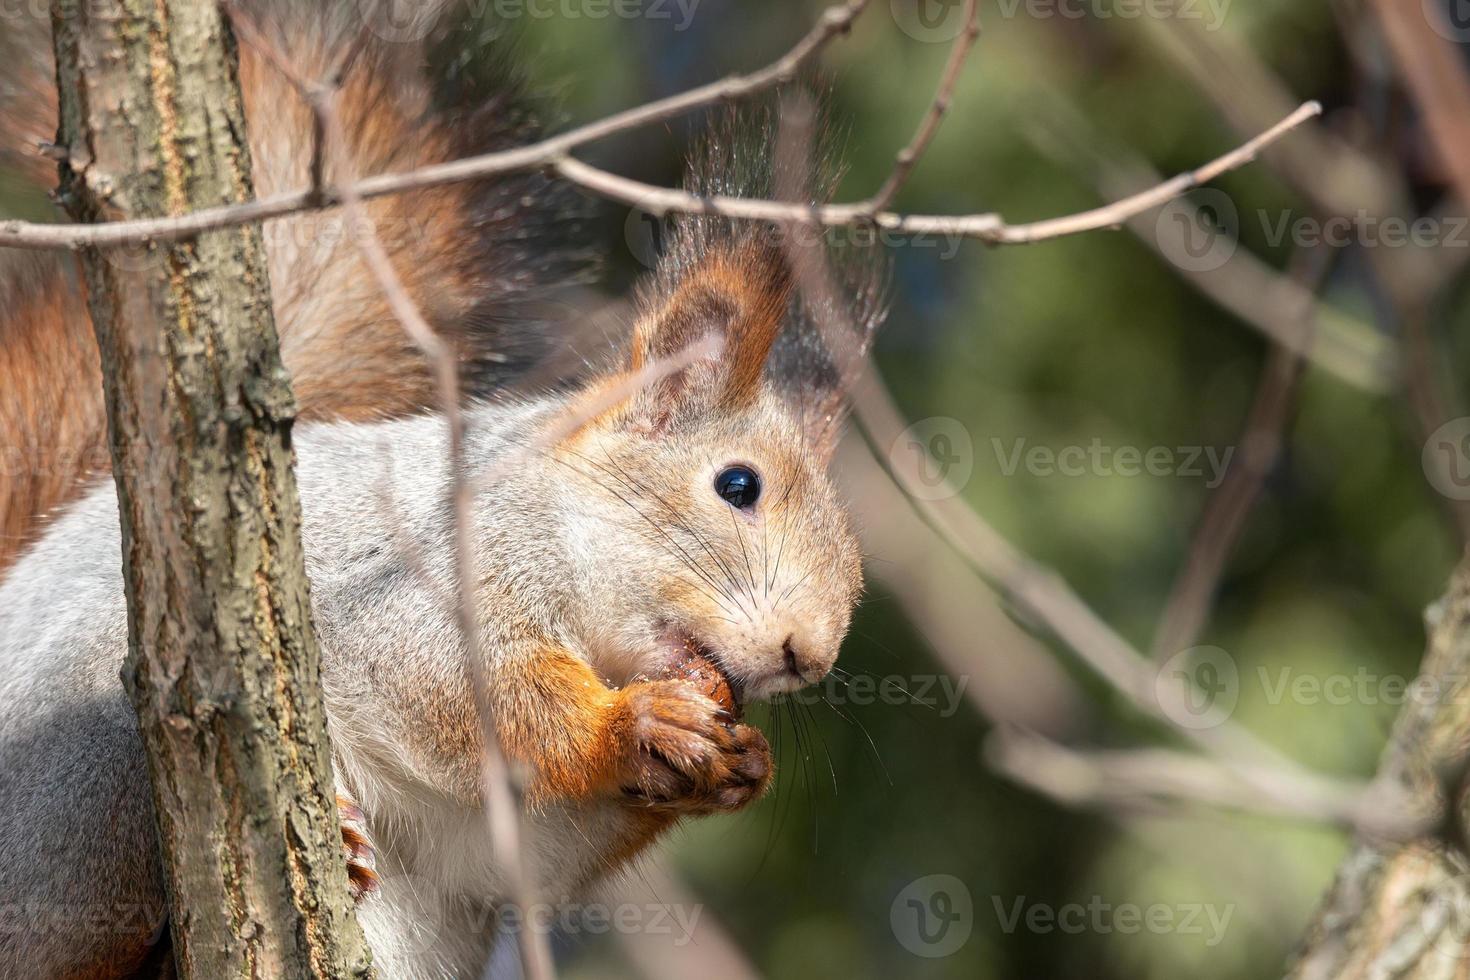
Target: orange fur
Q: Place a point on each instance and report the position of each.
(741, 293)
(554, 713)
(738, 293)
(51, 414)
(455, 247)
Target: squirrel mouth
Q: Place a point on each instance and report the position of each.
(692, 659)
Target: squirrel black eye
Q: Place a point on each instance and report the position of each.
(738, 486)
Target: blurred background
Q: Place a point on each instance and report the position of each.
(1094, 340)
(1041, 377)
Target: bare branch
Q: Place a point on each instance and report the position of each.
(555, 152)
(834, 21)
(1434, 72)
(908, 157)
(501, 804)
(1244, 286)
(985, 227)
(1262, 768)
(1230, 504)
(1154, 779)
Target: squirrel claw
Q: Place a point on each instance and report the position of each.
(362, 874)
(686, 757)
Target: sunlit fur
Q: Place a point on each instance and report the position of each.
(596, 559)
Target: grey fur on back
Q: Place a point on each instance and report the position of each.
(78, 859)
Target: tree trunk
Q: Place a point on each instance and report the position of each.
(223, 667)
(1403, 911)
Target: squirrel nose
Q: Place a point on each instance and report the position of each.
(808, 669)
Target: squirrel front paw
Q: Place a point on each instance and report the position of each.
(685, 754)
(362, 874)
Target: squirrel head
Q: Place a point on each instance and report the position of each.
(709, 520)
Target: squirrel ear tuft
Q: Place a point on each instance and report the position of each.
(740, 294)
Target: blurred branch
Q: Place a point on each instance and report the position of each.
(1037, 591)
(1330, 172)
(1242, 285)
(1013, 679)
(1162, 780)
(502, 807)
(1228, 507)
(1404, 910)
(1434, 71)
(1341, 181)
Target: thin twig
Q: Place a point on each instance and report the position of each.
(909, 156)
(1243, 286)
(1135, 780)
(555, 153)
(501, 804)
(834, 21)
(1037, 591)
(985, 227)
(1229, 506)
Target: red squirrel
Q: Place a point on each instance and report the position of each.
(693, 519)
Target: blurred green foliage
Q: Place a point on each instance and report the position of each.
(1059, 343)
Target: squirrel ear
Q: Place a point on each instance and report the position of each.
(740, 294)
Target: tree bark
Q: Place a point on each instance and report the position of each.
(223, 666)
(1403, 911)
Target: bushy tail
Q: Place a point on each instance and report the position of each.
(479, 257)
